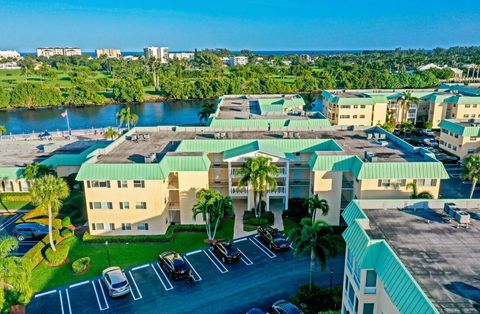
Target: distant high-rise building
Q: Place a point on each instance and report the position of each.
(181, 55)
(58, 51)
(159, 53)
(237, 60)
(109, 53)
(4, 54)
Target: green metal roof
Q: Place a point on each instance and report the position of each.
(71, 159)
(11, 173)
(279, 104)
(131, 171)
(402, 288)
(456, 127)
(185, 163)
(263, 123)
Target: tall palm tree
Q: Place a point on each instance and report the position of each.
(314, 203)
(415, 195)
(35, 170)
(125, 115)
(3, 129)
(405, 101)
(111, 133)
(205, 111)
(213, 206)
(260, 174)
(48, 193)
(471, 170)
(317, 238)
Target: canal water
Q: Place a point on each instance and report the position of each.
(150, 114)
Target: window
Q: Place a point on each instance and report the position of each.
(384, 182)
(122, 184)
(356, 305)
(110, 226)
(467, 106)
(419, 182)
(430, 182)
(355, 106)
(471, 151)
(126, 226)
(141, 205)
(456, 135)
(368, 308)
(371, 282)
(97, 226)
(474, 106)
(142, 226)
(402, 182)
(124, 205)
(454, 147)
(356, 273)
(345, 106)
(101, 205)
(473, 138)
(344, 116)
(355, 116)
(98, 184)
(465, 115)
(351, 295)
(24, 186)
(8, 186)
(362, 106)
(362, 116)
(138, 184)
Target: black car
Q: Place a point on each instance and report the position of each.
(30, 230)
(226, 251)
(174, 265)
(446, 159)
(274, 238)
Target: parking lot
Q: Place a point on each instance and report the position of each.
(455, 187)
(7, 223)
(260, 278)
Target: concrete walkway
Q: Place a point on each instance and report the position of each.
(241, 206)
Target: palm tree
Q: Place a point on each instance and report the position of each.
(35, 170)
(205, 111)
(213, 206)
(48, 193)
(3, 129)
(111, 133)
(405, 101)
(125, 115)
(314, 203)
(260, 174)
(317, 238)
(471, 170)
(415, 195)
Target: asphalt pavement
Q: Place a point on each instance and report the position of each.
(260, 278)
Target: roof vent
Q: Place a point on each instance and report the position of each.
(450, 209)
(151, 158)
(370, 156)
(462, 217)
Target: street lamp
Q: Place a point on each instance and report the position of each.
(331, 280)
(108, 253)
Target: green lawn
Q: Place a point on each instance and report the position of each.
(6, 205)
(123, 255)
(289, 224)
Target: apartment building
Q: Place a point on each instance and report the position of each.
(181, 55)
(58, 51)
(237, 60)
(411, 256)
(109, 53)
(159, 53)
(460, 137)
(12, 54)
(148, 178)
(369, 107)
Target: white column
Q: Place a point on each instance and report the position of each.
(229, 178)
(267, 201)
(287, 183)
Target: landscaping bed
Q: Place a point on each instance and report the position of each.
(250, 222)
(15, 201)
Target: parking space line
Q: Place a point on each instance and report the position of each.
(138, 290)
(160, 278)
(239, 240)
(61, 301)
(79, 284)
(103, 293)
(45, 293)
(68, 302)
(140, 267)
(98, 299)
(194, 270)
(245, 259)
(194, 252)
(224, 270)
(264, 249)
(9, 221)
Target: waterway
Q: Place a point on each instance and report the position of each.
(49, 119)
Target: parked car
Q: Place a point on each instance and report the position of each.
(116, 281)
(274, 238)
(446, 159)
(428, 132)
(256, 310)
(30, 230)
(285, 307)
(174, 264)
(430, 142)
(225, 250)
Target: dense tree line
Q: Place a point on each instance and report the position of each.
(94, 81)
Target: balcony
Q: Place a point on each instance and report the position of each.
(234, 172)
(173, 205)
(278, 191)
(238, 191)
(299, 182)
(370, 290)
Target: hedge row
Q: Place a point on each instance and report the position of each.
(35, 255)
(58, 257)
(168, 236)
(16, 197)
(264, 219)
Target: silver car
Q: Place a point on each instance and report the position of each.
(116, 281)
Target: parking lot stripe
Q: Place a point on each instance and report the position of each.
(239, 240)
(224, 270)
(140, 267)
(9, 221)
(98, 299)
(61, 301)
(68, 301)
(79, 284)
(160, 278)
(194, 252)
(264, 249)
(194, 270)
(103, 293)
(45, 293)
(138, 290)
(245, 259)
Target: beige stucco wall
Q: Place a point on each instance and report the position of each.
(369, 189)
(465, 111)
(15, 184)
(328, 185)
(437, 112)
(459, 146)
(189, 183)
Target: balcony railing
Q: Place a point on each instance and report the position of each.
(234, 172)
(238, 191)
(279, 190)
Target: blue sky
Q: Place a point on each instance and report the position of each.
(257, 25)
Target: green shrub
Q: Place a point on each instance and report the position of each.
(269, 216)
(66, 233)
(80, 265)
(256, 221)
(66, 221)
(265, 219)
(16, 197)
(247, 215)
(58, 257)
(36, 254)
(57, 224)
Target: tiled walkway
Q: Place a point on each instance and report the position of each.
(240, 207)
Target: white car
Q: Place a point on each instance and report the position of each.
(428, 132)
(116, 281)
(430, 142)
